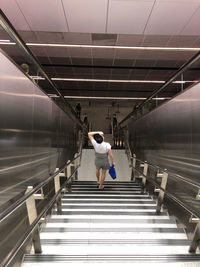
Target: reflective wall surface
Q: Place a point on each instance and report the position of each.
(36, 136)
(169, 137)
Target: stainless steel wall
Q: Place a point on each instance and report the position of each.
(169, 137)
(36, 136)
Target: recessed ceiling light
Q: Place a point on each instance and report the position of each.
(115, 81)
(6, 42)
(118, 47)
(102, 80)
(37, 78)
(115, 98)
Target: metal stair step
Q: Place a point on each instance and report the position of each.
(93, 202)
(105, 207)
(112, 221)
(114, 258)
(96, 212)
(110, 230)
(82, 196)
(147, 242)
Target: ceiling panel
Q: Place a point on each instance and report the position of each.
(102, 76)
(128, 17)
(29, 36)
(123, 62)
(192, 28)
(77, 38)
(180, 41)
(144, 63)
(104, 39)
(170, 17)
(126, 54)
(120, 71)
(81, 61)
(38, 51)
(165, 63)
(14, 14)
(60, 60)
(63, 70)
(80, 52)
(51, 37)
(103, 71)
(129, 39)
(86, 16)
(56, 51)
(66, 85)
(103, 53)
(45, 15)
(180, 1)
(156, 40)
(44, 60)
(102, 61)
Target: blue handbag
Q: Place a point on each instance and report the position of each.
(112, 172)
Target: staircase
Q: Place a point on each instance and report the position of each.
(117, 225)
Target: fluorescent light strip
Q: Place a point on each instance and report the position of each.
(110, 98)
(118, 47)
(108, 46)
(37, 78)
(4, 40)
(115, 81)
(102, 80)
(111, 81)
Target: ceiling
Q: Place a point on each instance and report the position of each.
(133, 23)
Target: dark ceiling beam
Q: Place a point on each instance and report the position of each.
(114, 90)
(108, 67)
(112, 67)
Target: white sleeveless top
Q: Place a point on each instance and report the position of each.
(101, 148)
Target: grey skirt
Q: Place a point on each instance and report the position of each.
(101, 161)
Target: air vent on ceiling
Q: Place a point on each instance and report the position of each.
(105, 39)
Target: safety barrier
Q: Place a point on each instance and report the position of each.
(140, 170)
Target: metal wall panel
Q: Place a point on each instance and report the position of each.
(35, 134)
(169, 137)
(36, 137)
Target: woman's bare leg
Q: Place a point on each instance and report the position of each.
(103, 176)
(97, 175)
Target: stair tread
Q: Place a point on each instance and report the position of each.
(117, 225)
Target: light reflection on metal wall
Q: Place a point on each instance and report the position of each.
(35, 135)
(169, 137)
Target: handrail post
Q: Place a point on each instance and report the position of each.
(133, 159)
(32, 216)
(68, 174)
(57, 188)
(161, 192)
(144, 179)
(145, 170)
(196, 237)
(76, 167)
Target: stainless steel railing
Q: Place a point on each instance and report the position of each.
(31, 195)
(141, 168)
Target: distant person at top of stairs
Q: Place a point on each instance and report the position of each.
(102, 151)
(78, 110)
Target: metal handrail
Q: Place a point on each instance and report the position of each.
(9, 28)
(171, 196)
(180, 71)
(32, 227)
(186, 180)
(4, 214)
